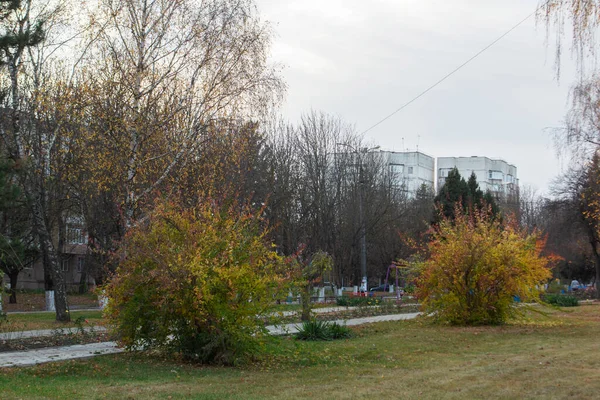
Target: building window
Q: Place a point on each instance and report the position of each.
(410, 170)
(76, 236)
(496, 175)
(65, 265)
(80, 264)
(444, 172)
(397, 169)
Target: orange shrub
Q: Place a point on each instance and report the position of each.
(477, 266)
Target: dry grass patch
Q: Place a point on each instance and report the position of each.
(554, 356)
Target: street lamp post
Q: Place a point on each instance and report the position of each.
(363, 229)
(361, 211)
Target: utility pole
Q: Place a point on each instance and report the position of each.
(361, 211)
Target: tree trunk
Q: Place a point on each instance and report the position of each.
(50, 255)
(83, 286)
(597, 258)
(48, 283)
(13, 287)
(306, 306)
(597, 262)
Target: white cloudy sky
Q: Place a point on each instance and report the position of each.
(363, 59)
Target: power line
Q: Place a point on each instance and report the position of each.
(456, 69)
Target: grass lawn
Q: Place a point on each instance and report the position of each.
(36, 301)
(546, 357)
(33, 321)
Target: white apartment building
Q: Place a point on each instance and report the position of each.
(410, 169)
(497, 176)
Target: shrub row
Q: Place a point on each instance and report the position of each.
(346, 301)
(561, 300)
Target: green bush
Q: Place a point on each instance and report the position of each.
(194, 282)
(561, 300)
(346, 301)
(342, 301)
(322, 330)
(338, 331)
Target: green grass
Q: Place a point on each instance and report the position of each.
(33, 321)
(545, 357)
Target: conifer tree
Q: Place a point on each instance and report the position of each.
(468, 194)
(454, 191)
(475, 193)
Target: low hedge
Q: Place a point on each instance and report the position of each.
(561, 300)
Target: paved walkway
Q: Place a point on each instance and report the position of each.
(39, 356)
(289, 329)
(51, 354)
(321, 310)
(325, 310)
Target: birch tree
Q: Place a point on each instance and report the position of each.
(164, 73)
(26, 141)
(582, 18)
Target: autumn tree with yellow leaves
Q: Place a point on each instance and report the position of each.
(164, 75)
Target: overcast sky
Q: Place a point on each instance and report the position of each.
(363, 59)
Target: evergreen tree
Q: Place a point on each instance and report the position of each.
(490, 201)
(454, 191)
(17, 33)
(475, 193)
(466, 193)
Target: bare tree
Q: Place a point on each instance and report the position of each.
(329, 191)
(531, 208)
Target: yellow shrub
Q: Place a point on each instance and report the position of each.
(194, 282)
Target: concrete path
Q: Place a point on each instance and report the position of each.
(38, 356)
(289, 329)
(322, 310)
(325, 310)
(51, 354)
